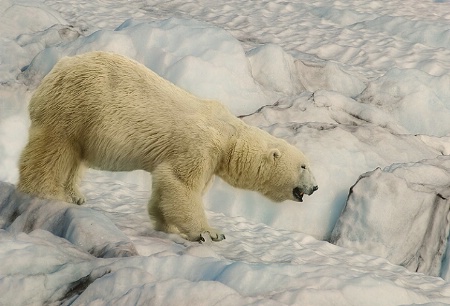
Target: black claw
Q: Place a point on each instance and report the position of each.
(219, 237)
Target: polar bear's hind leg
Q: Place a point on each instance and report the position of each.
(71, 186)
(49, 167)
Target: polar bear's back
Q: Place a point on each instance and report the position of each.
(99, 82)
(109, 104)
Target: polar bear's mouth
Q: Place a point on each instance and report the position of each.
(298, 194)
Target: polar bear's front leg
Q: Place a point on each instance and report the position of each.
(177, 208)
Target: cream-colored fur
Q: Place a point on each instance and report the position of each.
(112, 113)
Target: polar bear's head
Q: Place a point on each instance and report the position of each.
(288, 174)
(270, 166)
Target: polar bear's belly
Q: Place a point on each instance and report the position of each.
(116, 152)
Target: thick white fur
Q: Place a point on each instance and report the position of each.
(112, 113)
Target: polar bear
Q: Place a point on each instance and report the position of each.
(112, 113)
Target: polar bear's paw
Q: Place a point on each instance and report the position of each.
(78, 199)
(74, 196)
(211, 234)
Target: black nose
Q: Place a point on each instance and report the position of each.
(315, 188)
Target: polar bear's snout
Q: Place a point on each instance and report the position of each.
(306, 183)
(298, 192)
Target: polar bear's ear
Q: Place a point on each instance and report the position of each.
(274, 154)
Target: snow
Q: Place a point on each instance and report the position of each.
(361, 87)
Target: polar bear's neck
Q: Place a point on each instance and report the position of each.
(242, 160)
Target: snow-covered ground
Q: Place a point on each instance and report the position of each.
(362, 87)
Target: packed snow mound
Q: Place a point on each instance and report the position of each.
(330, 76)
(54, 35)
(20, 17)
(91, 231)
(275, 70)
(48, 269)
(441, 144)
(401, 213)
(278, 71)
(185, 52)
(418, 101)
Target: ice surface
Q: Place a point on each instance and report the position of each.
(357, 85)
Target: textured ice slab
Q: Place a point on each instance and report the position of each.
(91, 231)
(401, 213)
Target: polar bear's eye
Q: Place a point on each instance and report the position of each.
(303, 167)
